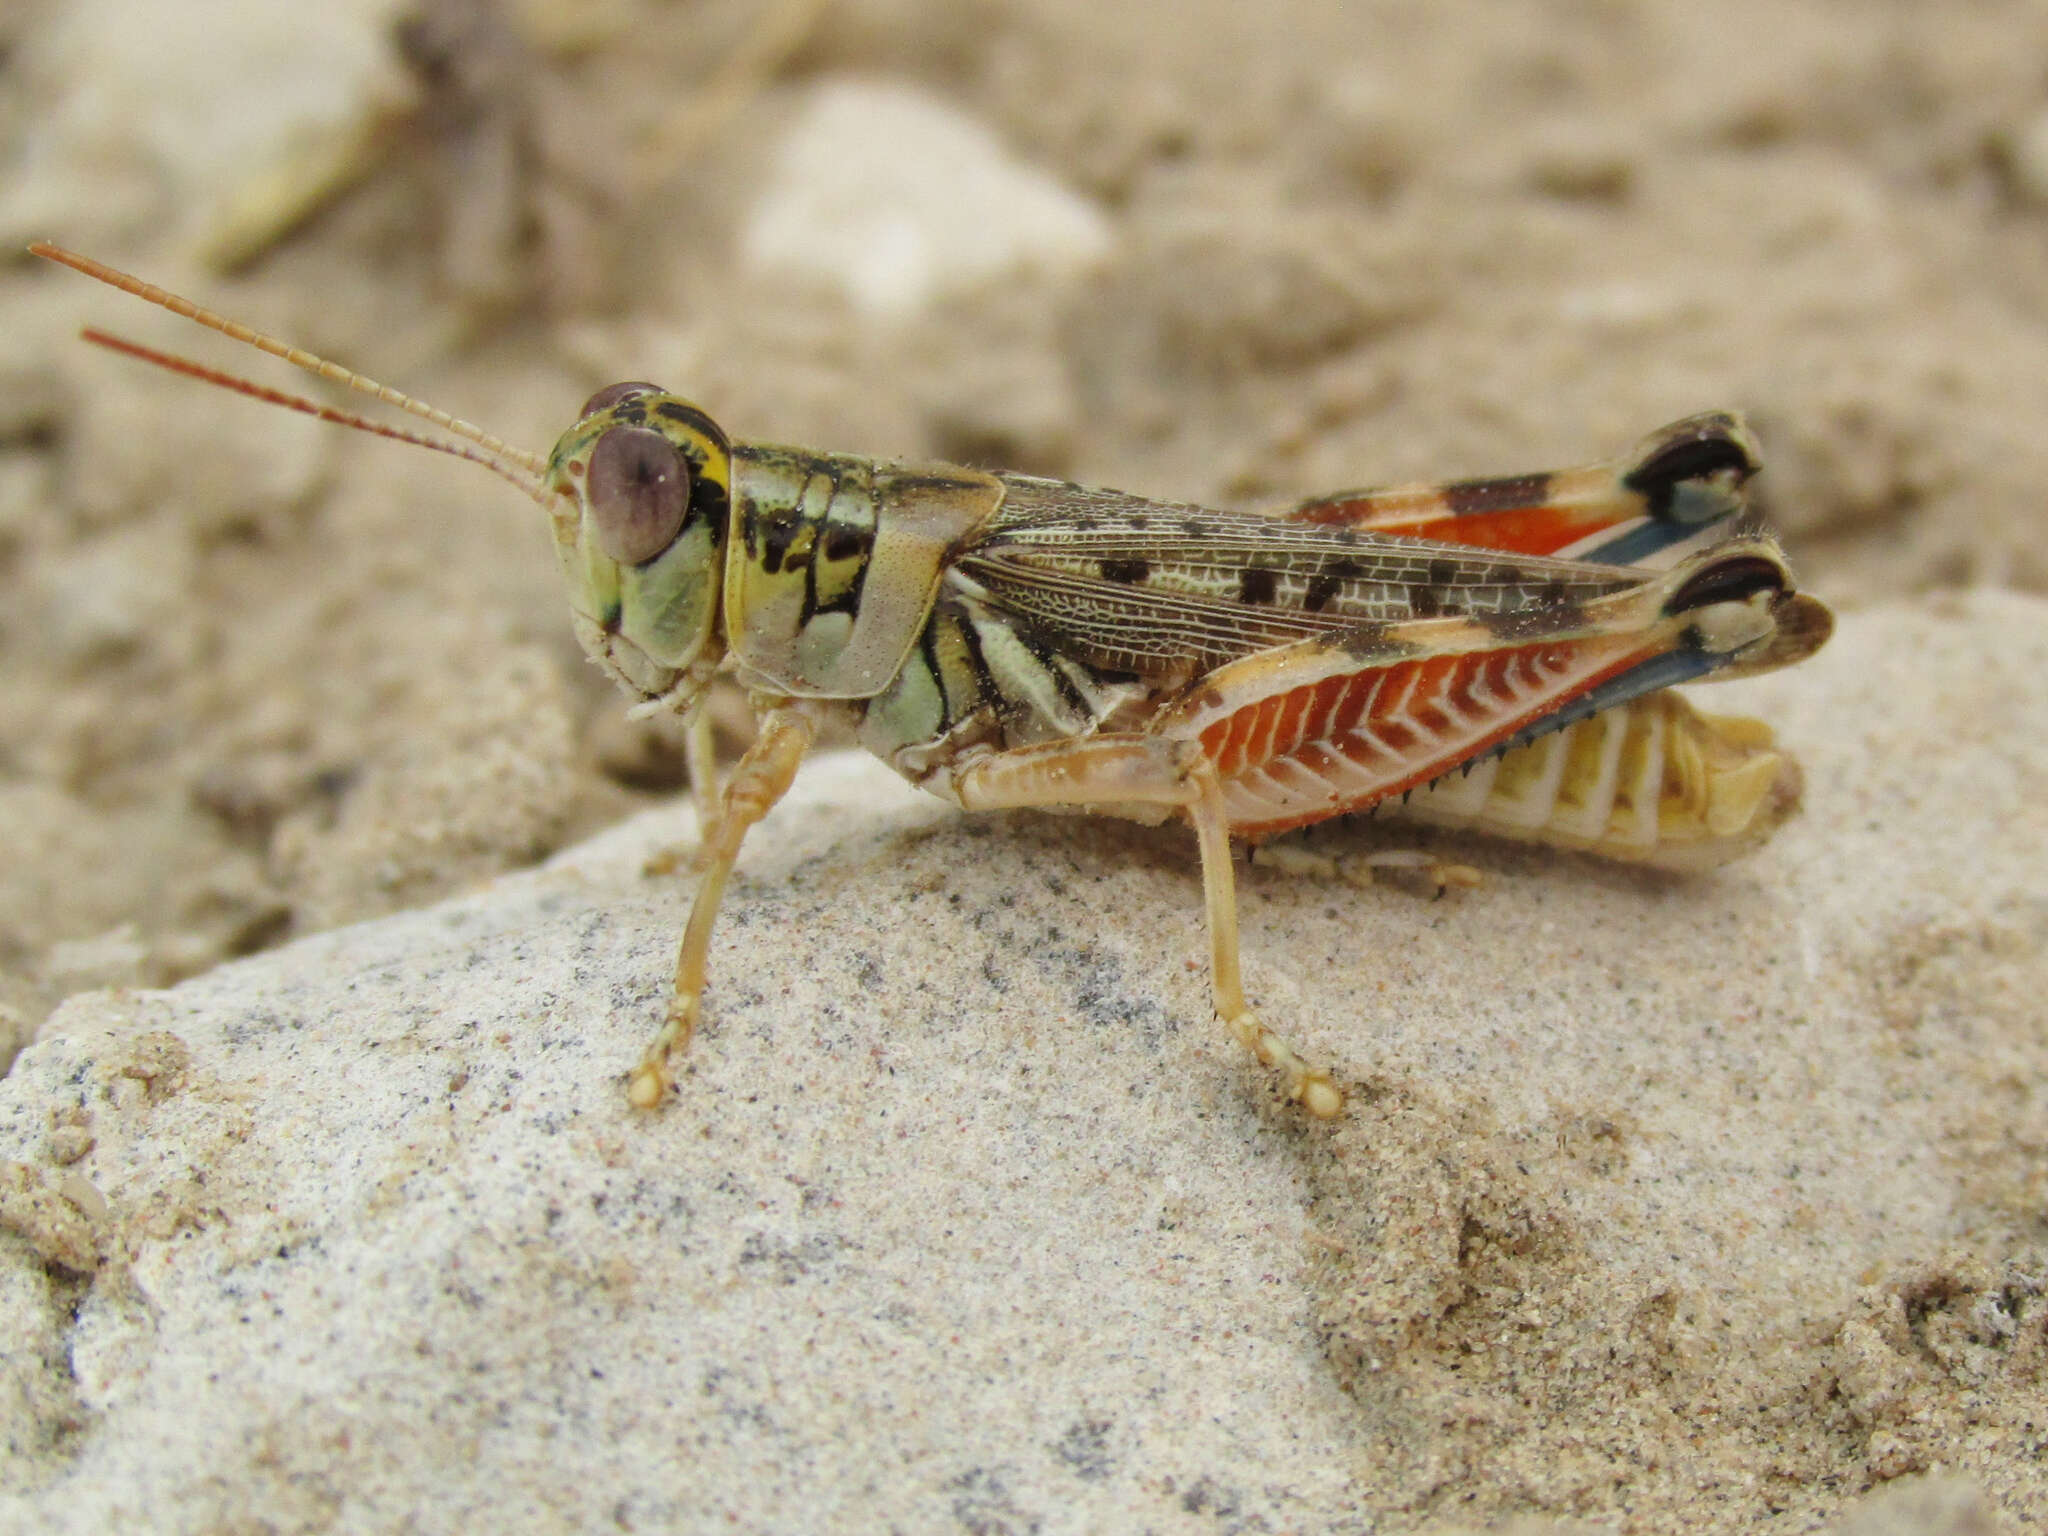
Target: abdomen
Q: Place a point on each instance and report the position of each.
(1652, 781)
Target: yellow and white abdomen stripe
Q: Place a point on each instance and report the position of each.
(1652, 781)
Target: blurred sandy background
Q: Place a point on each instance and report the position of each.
(258, 678)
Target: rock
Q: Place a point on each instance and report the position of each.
(15, 1029)
(894, 199)
(965, 1211)
(1925, 1506)
(487, 785)
(225, 120)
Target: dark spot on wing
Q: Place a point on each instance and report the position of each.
(1536, 621)
(612, 394)
(1321, 588)
(1442, 572)
(1365, 641)
(1126, 570)
(1257, 585)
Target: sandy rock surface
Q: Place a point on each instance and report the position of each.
(1661, 1205)
(1707, 1202)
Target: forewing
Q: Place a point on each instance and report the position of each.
(1163, 591)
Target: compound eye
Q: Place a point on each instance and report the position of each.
(612, 394)
(639, 493)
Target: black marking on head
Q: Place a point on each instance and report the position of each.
(707, 501)
(1256, 584)
(612, 394)
(1704, 450)
(1734, 580)
(685, 414)
(1130, 570)
(1321, 588)
(1467, 498)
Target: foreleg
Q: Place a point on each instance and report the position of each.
(786, 731)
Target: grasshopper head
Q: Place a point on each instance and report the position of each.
(637, 490)
(640, 489)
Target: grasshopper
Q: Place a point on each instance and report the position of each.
(1494, 650)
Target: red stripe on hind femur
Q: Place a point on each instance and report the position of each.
(1343, 743)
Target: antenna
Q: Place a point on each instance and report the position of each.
(496, 454)
(171, 362)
